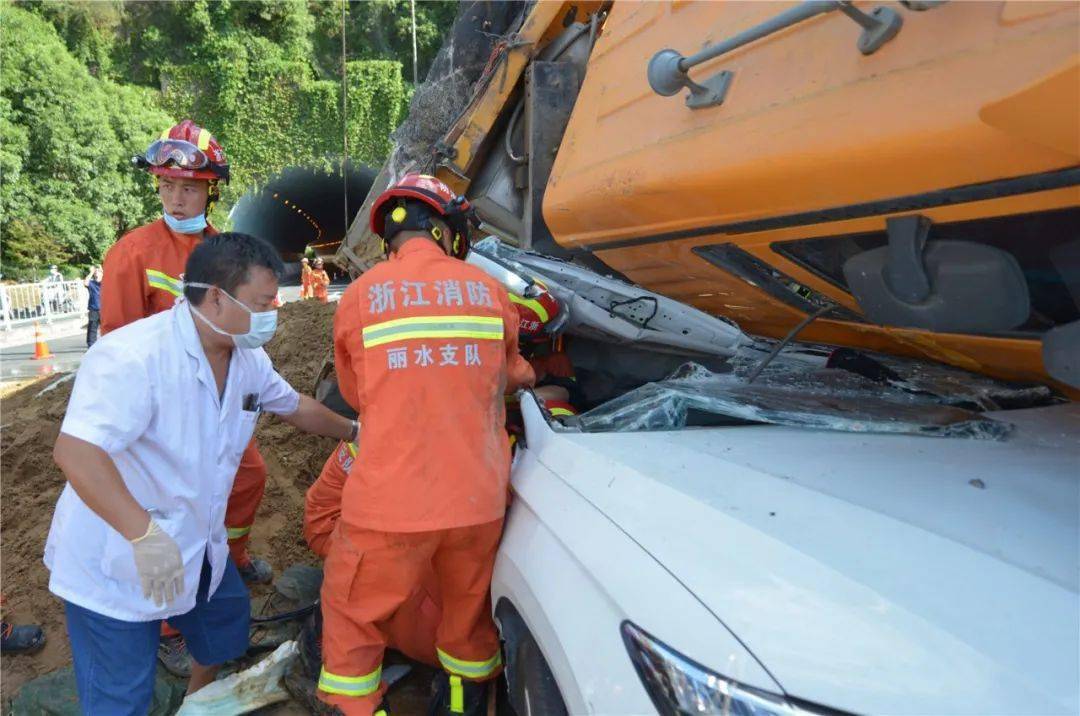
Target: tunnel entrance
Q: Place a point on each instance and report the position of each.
(304, 207)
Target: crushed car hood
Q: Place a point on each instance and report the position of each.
(870, 573)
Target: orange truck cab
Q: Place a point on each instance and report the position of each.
(905, 173)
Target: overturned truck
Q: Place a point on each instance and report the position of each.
(821, 269)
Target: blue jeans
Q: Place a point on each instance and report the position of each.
(116, 661)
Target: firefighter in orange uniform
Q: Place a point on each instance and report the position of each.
(425, 345)
(305, 279)
(320, 281)
(144, 275)
(556, 384)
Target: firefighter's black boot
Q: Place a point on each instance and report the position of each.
(302, 678)
(453, 695)
(309, 642)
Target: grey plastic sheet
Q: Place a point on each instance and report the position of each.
(918, 379)
(795, 393)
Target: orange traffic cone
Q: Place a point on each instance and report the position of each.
(41, 348)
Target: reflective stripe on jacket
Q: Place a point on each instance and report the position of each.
(144, 273)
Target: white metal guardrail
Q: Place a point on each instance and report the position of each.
(44, 302)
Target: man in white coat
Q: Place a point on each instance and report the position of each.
(159, 416)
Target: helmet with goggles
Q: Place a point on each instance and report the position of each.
(185, 151)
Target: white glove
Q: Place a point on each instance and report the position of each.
(160, 566)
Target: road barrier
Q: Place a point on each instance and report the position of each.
(45, 302)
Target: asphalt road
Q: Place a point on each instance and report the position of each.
(16, 362)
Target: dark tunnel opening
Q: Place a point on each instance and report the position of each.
(304, 207)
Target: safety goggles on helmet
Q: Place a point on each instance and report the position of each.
(180, 154)
(183, 154)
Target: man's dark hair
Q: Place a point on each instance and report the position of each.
(224, 260)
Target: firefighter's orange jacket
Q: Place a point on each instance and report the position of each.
(425, 346)
(144, 273)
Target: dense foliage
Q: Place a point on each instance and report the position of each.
(66, 141)
(85, 85)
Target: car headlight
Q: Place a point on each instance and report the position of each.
(678, 685)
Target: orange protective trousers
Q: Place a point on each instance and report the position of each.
(412, 628)
(247, 492)
(371, 575)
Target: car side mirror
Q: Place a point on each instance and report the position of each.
(949, 286)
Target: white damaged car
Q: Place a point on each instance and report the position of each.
(745, 528)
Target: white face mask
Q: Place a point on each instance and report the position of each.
(261, 330)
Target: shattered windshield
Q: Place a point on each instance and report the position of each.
(647, 362)
(822, 388)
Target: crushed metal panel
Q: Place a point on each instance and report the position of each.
(613, 311)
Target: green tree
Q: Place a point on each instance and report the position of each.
(89, 29)
(88, 84)
(68, 138)
(159, 35)
(28, 249)
(380, 29)
(271, 114)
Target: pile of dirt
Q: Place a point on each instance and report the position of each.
(304, 338)
(30, 483)
(303, 341)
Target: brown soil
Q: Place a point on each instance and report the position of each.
(303, 341)
(30, 484)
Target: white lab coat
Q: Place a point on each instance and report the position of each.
(146, 395)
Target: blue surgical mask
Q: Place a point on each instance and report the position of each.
(194, 225)
(261, 330)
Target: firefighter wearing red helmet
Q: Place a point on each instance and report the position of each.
(145, 265)
(425, 344)
(412, 203)
(536, 313)
(144, 275)
(187, 151)
(556, 383)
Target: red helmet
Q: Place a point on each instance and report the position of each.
(436, 195)
(534, 314)
(186, 151)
